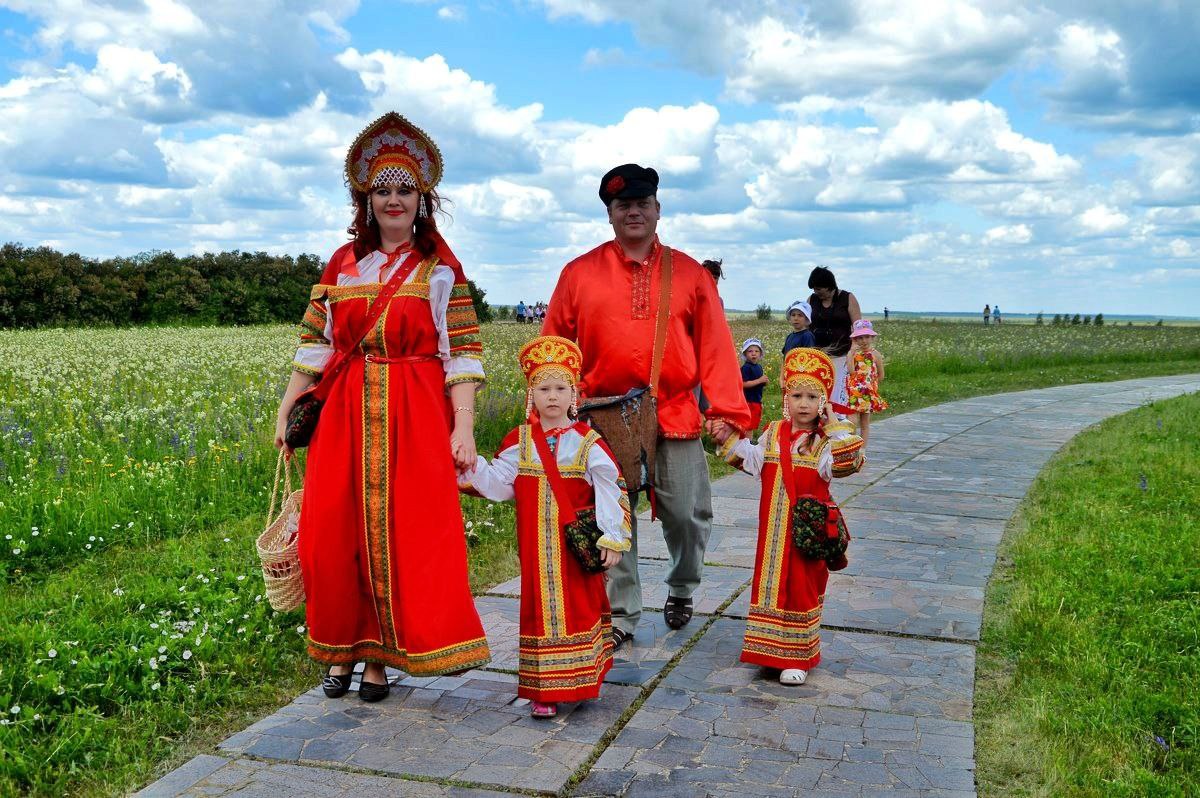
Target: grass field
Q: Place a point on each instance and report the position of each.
(135, 466)
(1089, 667)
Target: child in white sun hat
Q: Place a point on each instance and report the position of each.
(799, 315)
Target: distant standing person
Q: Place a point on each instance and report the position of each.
(865, 374)
(753, 380)
(521, 312)
(885, 313)
(799, 315)
(833, 313)
(987, 314)
(713, 267)
(996, 313)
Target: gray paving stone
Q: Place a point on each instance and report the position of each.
(429, 733)
(927, 609)
(923, 528)
(970, 505)
(939, 462)
(185, 778)
(919, 562)
(858, 673)
(949, 482)
(243, 777)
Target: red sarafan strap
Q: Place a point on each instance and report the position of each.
(566, 510)
(341, 356)
(785, 460)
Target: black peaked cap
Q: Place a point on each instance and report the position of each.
(628, 181)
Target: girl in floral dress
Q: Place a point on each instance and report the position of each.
(794, 458)
(863, 377)
(566, 627)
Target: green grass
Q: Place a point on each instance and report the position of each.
(127, 457)
(1089, 667)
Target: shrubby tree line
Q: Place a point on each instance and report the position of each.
(41, 287)
(1066, 319)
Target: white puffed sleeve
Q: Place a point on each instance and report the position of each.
(612, 502)
(825, 462)
(749, 456)
(460, 360)
(493, 480)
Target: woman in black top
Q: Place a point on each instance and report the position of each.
(834, 311)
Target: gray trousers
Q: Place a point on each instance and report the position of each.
(684, 502)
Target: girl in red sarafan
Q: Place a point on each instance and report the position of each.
(794, 458)
(382, 545)
(566, 627)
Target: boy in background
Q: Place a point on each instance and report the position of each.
(798, 315)
(753, 380)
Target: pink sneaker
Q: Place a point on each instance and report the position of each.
(539, 710)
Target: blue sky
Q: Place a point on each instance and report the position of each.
(1042, 156)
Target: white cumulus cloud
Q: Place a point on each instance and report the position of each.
(1008, 234)
(1102, 219)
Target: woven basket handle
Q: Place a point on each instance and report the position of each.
(283, 468)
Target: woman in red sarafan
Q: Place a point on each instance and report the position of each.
(566, 628)
(382, 545)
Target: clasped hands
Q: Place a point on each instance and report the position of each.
(462, 449)
(718, 430)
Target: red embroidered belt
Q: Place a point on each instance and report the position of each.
(405, 359)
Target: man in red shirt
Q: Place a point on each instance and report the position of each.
(607, 302)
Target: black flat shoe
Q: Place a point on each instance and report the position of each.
(677, 611)
(336, 686)
(371, 692)
(619, 638)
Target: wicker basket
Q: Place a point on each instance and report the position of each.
(277, 546)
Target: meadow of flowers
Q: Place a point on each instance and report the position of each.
(135, 467)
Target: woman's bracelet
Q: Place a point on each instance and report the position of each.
(464, 409)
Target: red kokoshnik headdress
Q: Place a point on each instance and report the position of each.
(808, 367)
(393, 150)
(550, 356)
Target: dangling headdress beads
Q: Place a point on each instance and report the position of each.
(550, 356)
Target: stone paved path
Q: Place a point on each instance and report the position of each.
(888, 712)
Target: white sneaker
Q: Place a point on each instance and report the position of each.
(793, 676)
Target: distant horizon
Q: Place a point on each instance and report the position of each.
(1048, 315)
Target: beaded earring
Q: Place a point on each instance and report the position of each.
(422, 211)
(370, 210)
